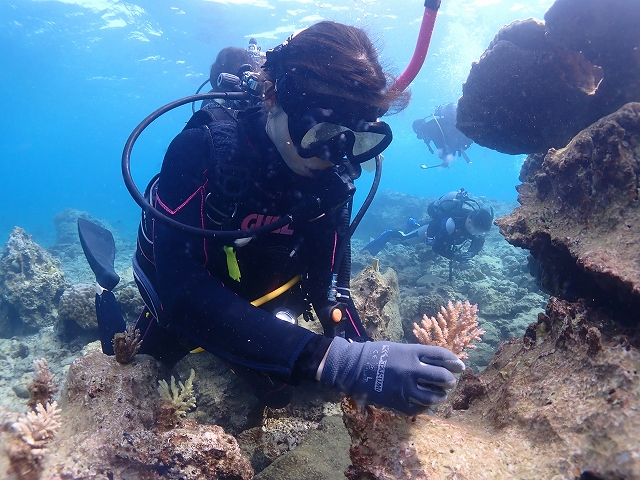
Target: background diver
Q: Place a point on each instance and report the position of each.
(440, 128)
(284, 169)
(457, 220)
(228, 69)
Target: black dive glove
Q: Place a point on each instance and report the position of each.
(402, 377)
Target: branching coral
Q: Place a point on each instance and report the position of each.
(126, 344)
(182, 398)
(36, 428)
(455, 327)
(44, 385)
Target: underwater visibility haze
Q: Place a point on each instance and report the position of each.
(79, 75)
(535, 290)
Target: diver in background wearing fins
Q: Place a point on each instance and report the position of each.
(440, 128)
(457, 220)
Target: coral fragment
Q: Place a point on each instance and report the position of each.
(455, 327)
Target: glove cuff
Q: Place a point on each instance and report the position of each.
(340, 364)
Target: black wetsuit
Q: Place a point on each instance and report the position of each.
(204, 306)
(444, 135)
(450, 234)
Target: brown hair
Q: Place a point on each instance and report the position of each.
(338, 60)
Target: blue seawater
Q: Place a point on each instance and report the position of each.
(77, 76)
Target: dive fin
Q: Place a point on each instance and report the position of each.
(377, 244)
(110, 320)
(465, 156)
(412, 224)
(100, 250)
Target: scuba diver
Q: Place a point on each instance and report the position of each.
(458, 221)
(247, 226)
(441, 130)
(228, 69)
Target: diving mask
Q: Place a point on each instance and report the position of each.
(330, 127)
(324, 133)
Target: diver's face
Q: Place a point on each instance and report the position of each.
(277, 129)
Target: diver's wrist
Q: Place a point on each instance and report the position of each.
(322, 362)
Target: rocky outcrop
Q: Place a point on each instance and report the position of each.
(376, 296)
(538, 84)
(108, 429)
(77, 312)
(31, 283)
(580, 217)
(560, 402)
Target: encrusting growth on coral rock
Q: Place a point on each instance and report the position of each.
(126, 344)
(44, 385)
(455, 327)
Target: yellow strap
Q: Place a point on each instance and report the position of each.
(276, 293)
(264, 299)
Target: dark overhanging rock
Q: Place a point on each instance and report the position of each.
(537, 85)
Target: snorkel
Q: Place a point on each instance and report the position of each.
(422, 46)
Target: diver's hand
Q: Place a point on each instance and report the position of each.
(400, 376)
(463, 257)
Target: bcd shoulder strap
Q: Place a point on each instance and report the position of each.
(230, 175)
(210, 113)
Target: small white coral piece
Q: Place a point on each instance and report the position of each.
(455, 327)
(183, 397)
(36, 428)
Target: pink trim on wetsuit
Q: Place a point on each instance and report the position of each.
(142, 252)
(200, 191)
(183, 204)
(353, 324)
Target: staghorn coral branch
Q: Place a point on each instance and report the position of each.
(455, 327)
(183, 397)
(36, 428)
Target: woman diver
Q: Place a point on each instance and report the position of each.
(288, 163)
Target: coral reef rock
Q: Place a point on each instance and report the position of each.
(561, 405)
(77, 312)
(31, 283)
(107, 429)
(538, 84)
(580, 218)
(324, 455)
(376, 296)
